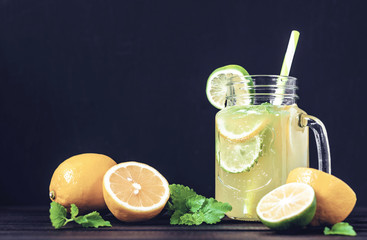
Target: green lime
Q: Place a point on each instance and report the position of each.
(289, 206)
(239, 157)
(241, 131)
(216, 87)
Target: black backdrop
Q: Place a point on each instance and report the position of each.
(127, 79)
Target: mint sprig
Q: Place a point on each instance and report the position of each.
(58, 217)
(186, 207)
(342, 228)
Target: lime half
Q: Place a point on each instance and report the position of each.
(289, 206)
(216, 87)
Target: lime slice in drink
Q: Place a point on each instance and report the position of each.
(239, 123)
(289, 206)
(216, 87)
(241, 132)
(239, 157)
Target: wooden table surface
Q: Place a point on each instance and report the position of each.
(33, 223)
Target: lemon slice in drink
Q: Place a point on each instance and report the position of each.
(239, 123)
(216, 87)
(242, 132)
(292, 205)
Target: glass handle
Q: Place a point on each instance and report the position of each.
(322, 142)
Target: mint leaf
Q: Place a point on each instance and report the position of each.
(214, 211)
(179, 191)
(57, 215)
(342, 228)
(179, 195)
(74, 211)
(192, 219)
(92, 219)
(175, 217)
(188, 208)
(194, 203)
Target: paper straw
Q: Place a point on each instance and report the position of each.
(286, 67)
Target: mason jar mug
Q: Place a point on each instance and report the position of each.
(260, 136)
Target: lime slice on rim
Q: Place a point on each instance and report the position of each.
(216, 87)
(292, 205)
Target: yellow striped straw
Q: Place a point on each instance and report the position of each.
(286, 67)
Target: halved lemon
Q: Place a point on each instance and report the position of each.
(134, 191)
(216, 87)
(292, 205)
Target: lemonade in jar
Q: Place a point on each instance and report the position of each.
(260, 136)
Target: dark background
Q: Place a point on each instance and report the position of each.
(127, 79)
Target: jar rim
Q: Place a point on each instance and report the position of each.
(261, 88)
(270, 76)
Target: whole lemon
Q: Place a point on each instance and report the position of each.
(79, 180)
(335, 200)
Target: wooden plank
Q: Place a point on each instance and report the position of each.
(160, 235)
(33, 223)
